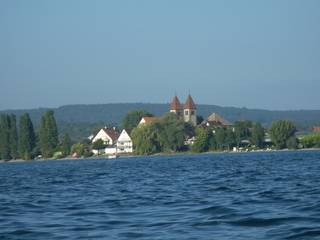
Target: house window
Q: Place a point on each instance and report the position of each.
(186, 112)
(192, 112)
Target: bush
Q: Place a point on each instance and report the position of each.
(292, 143)
(312, 140)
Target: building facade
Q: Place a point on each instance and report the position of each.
(109, 136)
(187, 112)
(124, 143)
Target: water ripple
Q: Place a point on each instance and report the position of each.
(209, 196)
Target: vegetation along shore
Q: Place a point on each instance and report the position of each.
(180, 130)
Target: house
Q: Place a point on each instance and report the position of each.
(316, 129)
(146, 120)
(215, 120)
(188, 112)
(124, 143)
(108, 135)
(189, 141)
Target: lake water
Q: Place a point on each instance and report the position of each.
(211, 196)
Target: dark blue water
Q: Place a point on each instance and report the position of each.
(216, 196)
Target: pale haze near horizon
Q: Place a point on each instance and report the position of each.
(254, 54)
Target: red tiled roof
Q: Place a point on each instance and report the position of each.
(175, 104)
(316, 128)
(150, 119)
(112, 133)
(189, 103)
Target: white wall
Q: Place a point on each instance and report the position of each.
(124, 143)
(104, 136)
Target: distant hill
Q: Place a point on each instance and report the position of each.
(80, 120)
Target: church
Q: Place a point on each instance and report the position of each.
(187, 112)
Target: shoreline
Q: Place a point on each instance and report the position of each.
(105, 157)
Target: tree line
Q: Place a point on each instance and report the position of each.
(19, 139)
(245, 134)
(23, 141)
(169, 134)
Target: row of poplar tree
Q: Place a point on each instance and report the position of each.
(21, 141)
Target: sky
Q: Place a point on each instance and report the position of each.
(256, 54)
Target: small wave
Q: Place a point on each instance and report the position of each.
(259, 222)
(305, 234)
(215, 210)
(222, 188)
(133, 235)
(206, 223)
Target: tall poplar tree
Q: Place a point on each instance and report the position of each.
(66, 144)
(257, 136)
(48, 134)
(5, 136)
(27, 137)
(13, 138)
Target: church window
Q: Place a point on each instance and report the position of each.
(186, 112)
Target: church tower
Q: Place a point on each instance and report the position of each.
(175, 106)
(190, 111)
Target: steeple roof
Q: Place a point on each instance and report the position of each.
(189, 103)
(175, 104)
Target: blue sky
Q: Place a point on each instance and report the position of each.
(255, 54)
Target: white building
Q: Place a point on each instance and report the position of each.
(124, 143)
(109, 136)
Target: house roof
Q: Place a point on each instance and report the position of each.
(112, 133)
(150, 119)
(189, 103)
(316, 128)
(123, 135)
(215, 118)
(175, 104)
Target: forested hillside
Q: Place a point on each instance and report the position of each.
(80, 120)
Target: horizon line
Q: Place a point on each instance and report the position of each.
(110, 103)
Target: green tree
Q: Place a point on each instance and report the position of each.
(13, 137)
(5, 137)
(87, 149)
(48, 134)
(292, 142)
(257, 135)
(66, 145)
(172, 132)
(202, 142)
(212, 141)
(280, 131)
(220, 136)
(78, 148)
(145, 139)
(98, 145)
(242, 131)
(230, 139)
(27, 137)
(132, 119)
